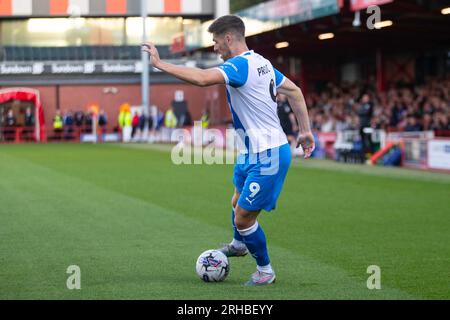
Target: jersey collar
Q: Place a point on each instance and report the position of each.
(247, 53)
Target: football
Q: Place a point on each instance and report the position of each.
(212, 266)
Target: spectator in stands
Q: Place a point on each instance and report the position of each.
(365, 112)
(134, 124)
(29, 118)
(154, 124)
(179, 107)
(102, 120)
(328, 123)
(188, 119)
(160, 119)
(10, 124)
(341, 123)
(68, 122)
(440, 121)
(412, 124)
(429, 103)
(10, 118)
(28, 124)
(395, 114)
(57, 125)
(170, 120)
(170, 123)
(79, 118)
(124, 120)
(143, 122)
(427, 122)
(88, 122)
(121, 118)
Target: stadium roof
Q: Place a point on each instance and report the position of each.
(417, 25)
(103, 8)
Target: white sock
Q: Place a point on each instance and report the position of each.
(237, 244)
(266, 269)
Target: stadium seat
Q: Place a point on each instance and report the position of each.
(36, 52)
(76, 53)
(89, 53)
(28, 53)
(18, 54)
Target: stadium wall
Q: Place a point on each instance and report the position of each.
(109, 97)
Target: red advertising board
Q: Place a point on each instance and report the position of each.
(356, 5)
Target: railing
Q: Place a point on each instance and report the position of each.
(17, 134)
(73, 133)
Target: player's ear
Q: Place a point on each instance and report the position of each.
(228, 38)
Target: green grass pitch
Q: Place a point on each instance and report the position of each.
(135, 223)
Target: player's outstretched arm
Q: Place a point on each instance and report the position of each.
(298, 105)
(196, 76)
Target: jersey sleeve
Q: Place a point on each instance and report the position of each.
(235, 71)
(279, 78)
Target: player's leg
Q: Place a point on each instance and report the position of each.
(237, 238)
(255, 241)
(236, 248)
(260, 192)
(251, 201)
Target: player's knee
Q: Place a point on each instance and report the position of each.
(243, 219)
(240, 224)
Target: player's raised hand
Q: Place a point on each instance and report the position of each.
(150, 48)
(306, 140)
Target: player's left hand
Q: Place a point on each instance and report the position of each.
(306, 140)
(150, 48)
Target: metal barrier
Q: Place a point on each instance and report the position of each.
(17, 134)
(73, 133)
(22, 134)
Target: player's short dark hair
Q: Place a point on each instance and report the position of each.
(228, 23)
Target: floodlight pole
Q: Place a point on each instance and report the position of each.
(145, 66)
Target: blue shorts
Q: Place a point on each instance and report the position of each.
(259, 177)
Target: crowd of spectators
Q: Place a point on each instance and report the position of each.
(68, 125)
(22, 119)
(82, 119)
(401, 108)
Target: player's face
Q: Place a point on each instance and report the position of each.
(221, 47)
